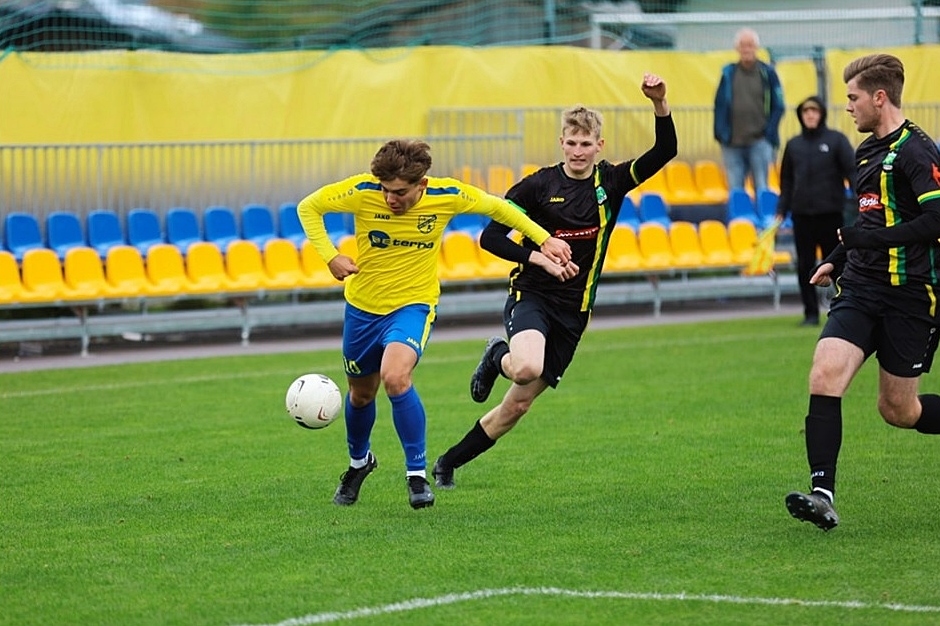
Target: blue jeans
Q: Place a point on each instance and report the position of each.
(754, 159)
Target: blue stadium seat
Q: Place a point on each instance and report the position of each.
(220, 226)
(182, 228)
(629, 214)
(257, 224)
(470, 223)
(289, 224)
(338, 226)
(740, 206)
(767, 209)
(144, 230)
(104, 231)
(21, 232)
(653, 209)
(64, 232)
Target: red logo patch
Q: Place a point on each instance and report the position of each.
(936, 174)
(869, 202)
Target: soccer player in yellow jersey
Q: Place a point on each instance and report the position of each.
(392, 291)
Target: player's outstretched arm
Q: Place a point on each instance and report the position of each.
(654, 88)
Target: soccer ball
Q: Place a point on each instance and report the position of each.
(314, 401)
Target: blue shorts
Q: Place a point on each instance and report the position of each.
(365, 335)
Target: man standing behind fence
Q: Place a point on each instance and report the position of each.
(748, 109)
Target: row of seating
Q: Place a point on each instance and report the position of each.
(679, 182)
(182, 227)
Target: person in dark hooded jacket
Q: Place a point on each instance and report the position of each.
(816, 165)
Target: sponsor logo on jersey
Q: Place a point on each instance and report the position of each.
(583, 233)
(379, 239)
(936, 174)
(870, 202)
(426, 223)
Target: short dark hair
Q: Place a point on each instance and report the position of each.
(877, 71)
(407, 159)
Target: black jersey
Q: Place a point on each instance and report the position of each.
(898, 181)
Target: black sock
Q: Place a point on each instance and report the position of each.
(473, 444)
(929, 422)
(499, 352)
(823, 440)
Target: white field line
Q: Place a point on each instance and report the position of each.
(168, 379)
(483, 594)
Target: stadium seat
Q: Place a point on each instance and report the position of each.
(740, 206)
(652, 208)
(459, 259)
(499, 178)
(711, 182)
(288, 225)
(144, 230)
(528, 168)
(104, 231)
(42, 276)
(258, 224)
(348, 246)
(680, 182)
(206, 271)
(245, 267)
(182, 228)
(11, 285)
(653, 240)
(684, 242)
(125, 272)
(21, 232)
(64, 232)
(767, 209)
(315, 268)
(337, 226)
(282, 264)
(470, 175)
(656, 184)
(220, 226)
(470, 223)
(742, 236)
(629, 214)
(623, 251)
(84, 275)
(167, 270)
(716, 248)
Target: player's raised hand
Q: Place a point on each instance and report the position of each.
(557, 250)
(342, 266)
(653, 87)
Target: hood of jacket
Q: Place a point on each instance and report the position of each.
(819, 105)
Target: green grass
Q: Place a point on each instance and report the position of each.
(182, 493)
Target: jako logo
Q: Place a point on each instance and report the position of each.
(378, 239)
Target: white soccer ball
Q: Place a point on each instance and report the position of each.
(314, 401)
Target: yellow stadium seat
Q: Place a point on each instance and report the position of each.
(205, 268)
(742, 235)
(349, 247)
(711, 182)
(167, 271)
(680, 182)
(528, 168)
(471, 176)
(316, 272)
(125, 272)
(244, 267)
(490, 265)
(623, 251)
(716, 248)
(282, 263)
(654, 244)
(84, 274)
(655, 184)
(11, 285)
(42, 276)
(459, 259)
(499, 178)
(684, 242)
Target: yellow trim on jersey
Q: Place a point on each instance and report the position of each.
(398, 254)
(933, 300)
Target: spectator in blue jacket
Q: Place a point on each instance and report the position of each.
(748, 108)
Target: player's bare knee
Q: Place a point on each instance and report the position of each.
(899, 414)
(396, 383)
(525, 374)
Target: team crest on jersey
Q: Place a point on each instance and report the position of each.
(426, 223)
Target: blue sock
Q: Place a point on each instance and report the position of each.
(359, 423)
(411, 424)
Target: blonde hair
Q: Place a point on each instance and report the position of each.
(877, 71)
(582, 119)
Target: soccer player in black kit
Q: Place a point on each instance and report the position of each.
(578, 201)
(886, 273)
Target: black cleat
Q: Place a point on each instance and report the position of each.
(443, 475)
(812, 507)
(350, 482)
(486, 373)
(419, 492)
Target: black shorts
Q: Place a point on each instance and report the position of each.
(561, 328)
(897, 324)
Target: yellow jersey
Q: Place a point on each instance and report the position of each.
(398, 254)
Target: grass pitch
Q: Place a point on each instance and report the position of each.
(647, 489)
